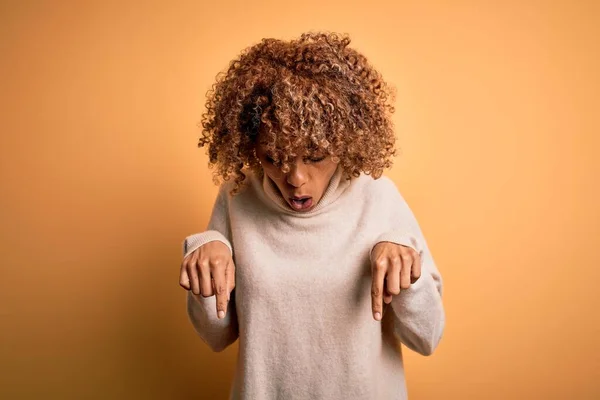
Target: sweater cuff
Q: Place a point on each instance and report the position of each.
(399, 237)
(196, 240)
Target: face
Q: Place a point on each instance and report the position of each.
(305, 183)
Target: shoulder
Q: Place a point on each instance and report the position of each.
(247, 194)
(384, 195)
(383, 183)
(381, 188)
(226, 186)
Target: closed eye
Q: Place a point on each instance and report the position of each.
(312, 159)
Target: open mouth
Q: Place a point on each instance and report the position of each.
(301, 203)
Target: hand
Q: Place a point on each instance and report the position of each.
(393, 267)
(210, 270)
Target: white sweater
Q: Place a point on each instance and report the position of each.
(302, 302)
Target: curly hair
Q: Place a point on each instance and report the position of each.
(313, 93)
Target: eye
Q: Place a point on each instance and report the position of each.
(316, 159)
(269, 159)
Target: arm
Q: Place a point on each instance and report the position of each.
(218, 334)
(419, 316)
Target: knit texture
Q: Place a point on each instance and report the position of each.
(301, 307)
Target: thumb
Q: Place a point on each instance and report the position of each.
(184, 279)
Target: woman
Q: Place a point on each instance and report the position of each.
(311, 258)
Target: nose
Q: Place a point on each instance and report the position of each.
(297, 176)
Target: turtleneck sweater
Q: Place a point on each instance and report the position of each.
(301, 306)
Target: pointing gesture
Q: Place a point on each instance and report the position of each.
(394, 267)
(210, 270)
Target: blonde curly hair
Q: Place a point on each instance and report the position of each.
(313, 93)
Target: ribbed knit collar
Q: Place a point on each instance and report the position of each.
(336, 187)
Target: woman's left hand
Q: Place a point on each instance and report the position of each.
(393, 267)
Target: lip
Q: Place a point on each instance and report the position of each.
(305, 206)
(300, 197)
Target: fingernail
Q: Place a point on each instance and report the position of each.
(377, 316)
(221, 314)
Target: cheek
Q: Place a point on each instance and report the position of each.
(325, 172)
(329, 169)
(271, 171)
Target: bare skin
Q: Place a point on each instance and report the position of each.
(394, 267)
(210, 270)
(307, 177)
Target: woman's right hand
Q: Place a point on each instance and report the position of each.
(210, 270)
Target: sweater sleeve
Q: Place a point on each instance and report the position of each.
(218, 334)
(419, 316)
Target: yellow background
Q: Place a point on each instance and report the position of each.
(498, 121)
